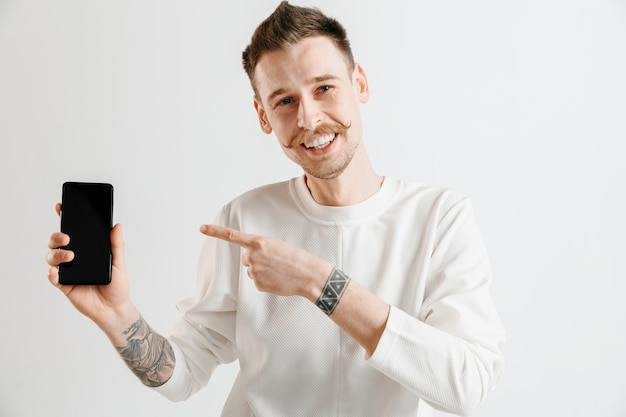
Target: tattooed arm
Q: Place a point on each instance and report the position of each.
(148, 354)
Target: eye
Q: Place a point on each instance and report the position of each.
(324, 88)
(285, 101)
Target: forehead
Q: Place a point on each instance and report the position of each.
(297, 65)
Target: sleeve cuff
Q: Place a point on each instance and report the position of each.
(387, 339)
(177, 387)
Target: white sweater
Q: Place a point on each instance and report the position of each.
(417, 247)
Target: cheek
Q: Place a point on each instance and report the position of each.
(284, 125)
(281, 133)
(342, 107)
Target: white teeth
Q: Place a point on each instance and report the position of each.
(321, 142)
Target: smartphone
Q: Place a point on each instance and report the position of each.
(87, 217)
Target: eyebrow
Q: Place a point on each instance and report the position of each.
(313, 80)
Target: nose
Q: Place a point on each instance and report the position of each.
(309, 114)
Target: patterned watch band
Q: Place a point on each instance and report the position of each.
(332, 291)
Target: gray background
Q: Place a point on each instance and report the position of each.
(520, 105)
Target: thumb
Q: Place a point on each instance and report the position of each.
(117, 246)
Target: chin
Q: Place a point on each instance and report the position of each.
(327, 174)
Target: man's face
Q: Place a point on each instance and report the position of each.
(308, 98)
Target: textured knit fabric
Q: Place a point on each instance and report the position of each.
(417, 247)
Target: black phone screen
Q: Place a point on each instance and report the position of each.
(87, 217)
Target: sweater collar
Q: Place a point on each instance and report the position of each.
(364, 210)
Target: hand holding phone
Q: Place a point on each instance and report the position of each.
(87, 217)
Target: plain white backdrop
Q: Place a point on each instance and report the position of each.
(520, 105)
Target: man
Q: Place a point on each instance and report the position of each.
(340, 292)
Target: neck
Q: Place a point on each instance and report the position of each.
(355, 184)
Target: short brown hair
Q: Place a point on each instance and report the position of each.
(288, 25)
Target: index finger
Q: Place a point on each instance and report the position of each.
(226, 233)
(58, 240)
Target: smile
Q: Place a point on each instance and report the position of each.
(322, 141)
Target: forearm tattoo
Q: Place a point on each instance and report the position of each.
(149, 355)
(333, 291)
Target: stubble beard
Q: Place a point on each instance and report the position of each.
(327, 168)
(331, 169)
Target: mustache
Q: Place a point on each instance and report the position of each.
(324, 129)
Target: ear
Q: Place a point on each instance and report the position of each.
(260, 111)
(359, 79)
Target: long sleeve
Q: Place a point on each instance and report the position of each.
(204, 336)
(450, 353)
